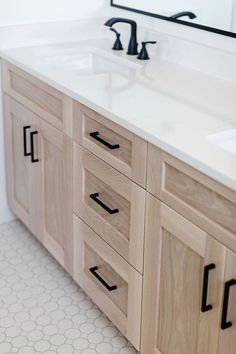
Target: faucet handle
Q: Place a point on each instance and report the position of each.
(117, 45)
(143, 55)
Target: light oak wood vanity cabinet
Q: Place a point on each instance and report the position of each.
(39, 160)
(151, 240)
(189, 300)
(43, 127)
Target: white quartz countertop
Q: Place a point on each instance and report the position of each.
(172, 107)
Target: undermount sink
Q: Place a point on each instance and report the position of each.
(92, 62)
(226, 140)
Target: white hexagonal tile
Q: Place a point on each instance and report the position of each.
(42, 310)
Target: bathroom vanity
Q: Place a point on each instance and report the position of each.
(147, 229)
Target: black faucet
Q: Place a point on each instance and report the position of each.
(189, 14)
(133, 44)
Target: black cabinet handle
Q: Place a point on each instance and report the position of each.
(102, 281)
(104, 206)
(25, 128)
(95, 135)
(32, 134)
(207, 270)
(224, 323)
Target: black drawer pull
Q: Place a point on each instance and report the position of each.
(207, 270)
(104, 206)
(25, 128)
(32, 134)
(95, 135)
(224, 323)
(102, 281)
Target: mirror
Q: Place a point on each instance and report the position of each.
(212, 15)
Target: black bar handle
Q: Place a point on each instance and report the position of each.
(102, 281)
(95, 135)
(104, 206)
(32, 134)
(224, 323)
(25, 128)
(205, 307)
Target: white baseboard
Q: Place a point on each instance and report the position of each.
(6, 215)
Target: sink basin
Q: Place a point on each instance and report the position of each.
(226, 140)
(92, 62)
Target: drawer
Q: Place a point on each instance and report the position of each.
(199, 198)
(109, 280)
(49, 103)
(111, 204)
(117, 146)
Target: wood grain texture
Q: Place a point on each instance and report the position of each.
(129, 159)
(55, 153)
(172, 321)
(206, 203)
(41, 193)
(125, 233)
(23, 177)
(52, 105)
(89, 248)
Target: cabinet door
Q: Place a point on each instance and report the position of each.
(177, 318)
(227, 341)
(55, 155)
(22, 175)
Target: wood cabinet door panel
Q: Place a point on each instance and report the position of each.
(23, 177)
(178, 251)
(55, 154)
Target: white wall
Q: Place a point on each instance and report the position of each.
(31, 11)
(5, 213)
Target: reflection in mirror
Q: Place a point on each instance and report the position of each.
(214, 15)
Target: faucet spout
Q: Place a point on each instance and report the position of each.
(133, 43)
(189, 14)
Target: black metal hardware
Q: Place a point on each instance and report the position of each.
(95, 135)
(104, 206)
(102, 281)
(143, 55)
(32, 134)
(133, 44)
(181, 22)
(189, 14)
(25, 128)
(117, 45)
(224, 323)
(207, 269)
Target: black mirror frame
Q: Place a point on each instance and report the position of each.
(202, 27)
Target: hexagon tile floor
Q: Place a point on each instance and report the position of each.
(41, 309)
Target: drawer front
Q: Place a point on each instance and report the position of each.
(111, 204)
(202, 200)
(52, 105)
(114, 144)
(109, 280)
